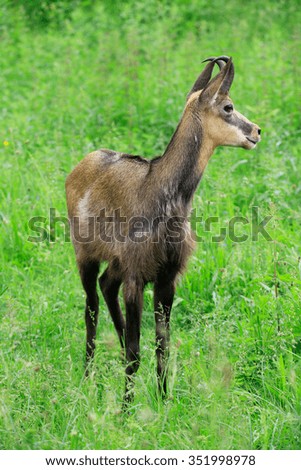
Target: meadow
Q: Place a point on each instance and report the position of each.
(77, 76)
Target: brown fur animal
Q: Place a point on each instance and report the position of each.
(132, 213)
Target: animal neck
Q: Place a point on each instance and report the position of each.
(179, 170)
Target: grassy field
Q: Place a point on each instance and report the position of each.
(115, 75)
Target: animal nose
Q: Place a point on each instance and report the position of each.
(259, 131)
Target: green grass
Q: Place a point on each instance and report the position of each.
(96, 75)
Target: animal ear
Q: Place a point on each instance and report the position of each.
(221, 83)
(202, 80)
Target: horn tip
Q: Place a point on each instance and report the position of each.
(225, 58)
(208, 59)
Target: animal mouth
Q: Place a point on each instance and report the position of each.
(253, 141)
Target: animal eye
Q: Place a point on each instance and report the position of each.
(228, 108)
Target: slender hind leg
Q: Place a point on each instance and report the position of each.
(164, 290)
(88, 273)
(133, 298)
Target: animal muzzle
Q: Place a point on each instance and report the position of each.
(254, 137)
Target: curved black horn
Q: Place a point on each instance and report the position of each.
(223, 80)
(221, 60)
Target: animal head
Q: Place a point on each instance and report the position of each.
(209, 100)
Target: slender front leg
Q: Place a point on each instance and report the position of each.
(89, 272)
(133, 299)
(164, 290)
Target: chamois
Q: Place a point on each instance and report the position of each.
(132, 213)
